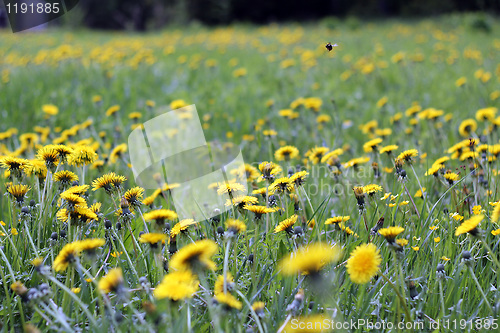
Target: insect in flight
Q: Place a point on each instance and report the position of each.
(329, 46)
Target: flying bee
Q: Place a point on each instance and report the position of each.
(330, 47)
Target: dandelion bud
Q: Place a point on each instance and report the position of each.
(149, 307)
(420, 315)
(62, 233)
(272, 201)
(296, 304)
(123, 203)
(19, 288)
(44, 289)
(220, 230)
(29, 328)
(466, 255)
(32, 295)
(119, 317)
(250, 258)
(258, 307)
(25, 212)
(165, 264)
(298, 231)
(440, 273)
(402, 175)
(216, 217)
(413, 290)
(173, 246)
(118, 226)
(359, 193)
(398, 164)
(54, 236)
(376, 170)
(144, 283)
(107, 224)
(467, 258)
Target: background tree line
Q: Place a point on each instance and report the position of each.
(144, 14)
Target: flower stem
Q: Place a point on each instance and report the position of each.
(401, 299)
(226, 263)
(481, 290)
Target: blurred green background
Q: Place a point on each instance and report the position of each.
(155, 14)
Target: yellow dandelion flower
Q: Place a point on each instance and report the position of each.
(402, 242)
(50, 109)
(241, 201)
(282, 185)
(469, 226)
(66, 256)
(371, 189)
(228, 300)
(230, 188)
(391, 233)
(152, 238)
(112, 281)
(451, 177)
(467, 127)
(337, 219)
(65, 177)
(363, 263)
(117, 152)
(235, 226)
(109, 182)
(310, 259)
(82, 155)
(286, 225)
(286, 153)
(496, 213)
(317, 153)
(177, 285)
(408, 155)
(355, 162)
(388, 149)
(18, 192)
(269, 170)
(434, 169)
(260, 210)
(194, 255)
(371, 145)
(134, 196)
(298, 178)
(90, 244)
(181, 226)
(112, 110)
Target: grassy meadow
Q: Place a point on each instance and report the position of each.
(371, 173)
